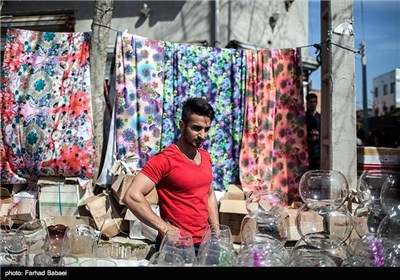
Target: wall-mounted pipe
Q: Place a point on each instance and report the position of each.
(215, 37)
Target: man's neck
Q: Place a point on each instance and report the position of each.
(187, 150)
(312, 113)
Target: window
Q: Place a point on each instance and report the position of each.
(385, 89)
(58, 21)
(376, 92)
(392, 86)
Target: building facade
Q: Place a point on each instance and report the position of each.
(386, 92)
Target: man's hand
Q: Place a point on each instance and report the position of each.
(170, 229)
(314, 135)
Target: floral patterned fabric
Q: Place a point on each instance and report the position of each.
(218, 75)
(273, 154)
(139, 95)
(258, 136)
(45, 105)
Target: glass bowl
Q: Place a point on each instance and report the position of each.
(261, 201)
(369, 185)
(324, 230)
(323, 190)
(306, 255)
(373, 250)
(390, 196)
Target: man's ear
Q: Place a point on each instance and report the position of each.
(181, 125)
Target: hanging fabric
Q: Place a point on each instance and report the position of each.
(45, 106)
(154, 78)
(218, 75)
(273, 154)
(106, 177)
(139, 91)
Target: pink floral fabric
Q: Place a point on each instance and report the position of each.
(45, 106)
(273, 153)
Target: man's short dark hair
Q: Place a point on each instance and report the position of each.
(198, 106)
(311, 95)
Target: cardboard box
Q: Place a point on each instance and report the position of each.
(58, 198)
(369, 158)
(5, 205)
(19, 207)
(232, 210)
(106, 213)
(128, 165)
(5, 196)
(122, 183)
(152, 197)
(139, 230)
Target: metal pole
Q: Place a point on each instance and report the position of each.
(364, 87)
(215, 24)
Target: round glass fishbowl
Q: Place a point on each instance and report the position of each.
(373, 250)
(266, 216)
(369, 185)
(272, 225)
(366, 218)
(324, 230)
(259, 202)
(323, 190)
(306, 255)
(390, 196)
(262, 252)
(390, 228)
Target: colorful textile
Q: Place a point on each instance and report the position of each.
(139, 92)
(218, 75)
(45, 105)
(273, 154)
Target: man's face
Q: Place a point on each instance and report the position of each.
(196, 131)
(312, 104)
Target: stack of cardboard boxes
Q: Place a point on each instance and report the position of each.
(136, 228)
(232, 211)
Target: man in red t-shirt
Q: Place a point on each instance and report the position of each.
(182, 176)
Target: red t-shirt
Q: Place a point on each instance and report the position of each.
(182, 187)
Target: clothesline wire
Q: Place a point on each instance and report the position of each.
(316, 46)
(344, 47)
(102, 25)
